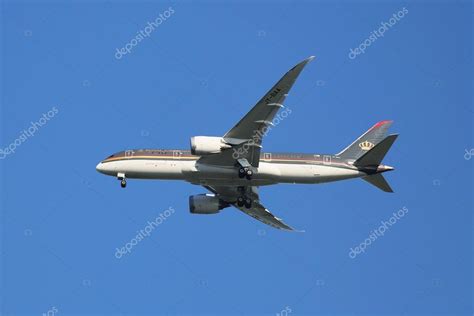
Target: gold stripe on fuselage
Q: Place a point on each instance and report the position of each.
(190, 158)
(151, 157)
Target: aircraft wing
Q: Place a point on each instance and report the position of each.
(257, 210)
(253, 126)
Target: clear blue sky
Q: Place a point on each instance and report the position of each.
(197, 73)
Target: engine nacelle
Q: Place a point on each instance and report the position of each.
(206, 204)
(206, 145)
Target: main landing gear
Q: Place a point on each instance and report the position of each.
(243, 200)
(123, 180)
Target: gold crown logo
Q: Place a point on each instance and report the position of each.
(366, 145)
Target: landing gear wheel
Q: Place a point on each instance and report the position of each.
(248, 174)
(248, 203)
(123, 183)
(240, 201)
(241, 172)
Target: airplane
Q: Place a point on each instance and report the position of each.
(232, 167)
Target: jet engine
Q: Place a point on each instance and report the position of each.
(206, 145)
(206, 204)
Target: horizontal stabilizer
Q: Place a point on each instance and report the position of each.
(379, 181)
(375, 156)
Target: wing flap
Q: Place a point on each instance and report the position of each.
(246, 139)
(268, 106)
(260, 213)
(230, 194)
(246, 136)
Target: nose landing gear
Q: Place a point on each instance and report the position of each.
(123, 180)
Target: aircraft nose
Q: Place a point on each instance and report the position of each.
(100, 167)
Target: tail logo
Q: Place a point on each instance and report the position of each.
(366, 145)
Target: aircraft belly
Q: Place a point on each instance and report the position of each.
(308, 173)
(328, 173)
(204, 174)
(267, 173)
(295, 173)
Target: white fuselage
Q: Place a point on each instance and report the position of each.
(196, 173)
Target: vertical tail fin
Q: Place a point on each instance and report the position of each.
(366, 142)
